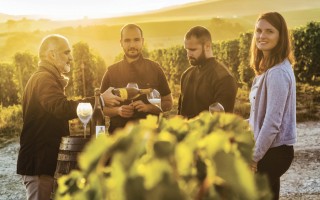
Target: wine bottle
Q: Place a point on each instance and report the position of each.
(97, 121)
(130, 93)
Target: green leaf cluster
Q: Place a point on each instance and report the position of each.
(9, 86)
(87, 71)
(10, 122)
(306, 45)
(206, 157)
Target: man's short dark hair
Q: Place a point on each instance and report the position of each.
(199, 32)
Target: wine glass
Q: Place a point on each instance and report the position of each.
(132, 85)
(84, 112)
(154, 98)
(216, 107)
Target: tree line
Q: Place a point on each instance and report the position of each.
(235, 54)
(88, 68)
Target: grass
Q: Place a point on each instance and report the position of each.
(308, 102)
(10, 123)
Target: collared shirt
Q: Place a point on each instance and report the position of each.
(144, 72)
(204, 85)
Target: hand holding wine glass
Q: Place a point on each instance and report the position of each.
(154, 98)
(84, 112)
(132, 85)
(216, 107)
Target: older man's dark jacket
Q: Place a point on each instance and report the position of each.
(46, 112)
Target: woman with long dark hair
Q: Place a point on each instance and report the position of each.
(273, 99)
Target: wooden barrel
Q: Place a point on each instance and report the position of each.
(69, 149)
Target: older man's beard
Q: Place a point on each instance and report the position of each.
(199, 61)
(63, 67)
(66, 68)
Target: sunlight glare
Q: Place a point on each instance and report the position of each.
(79, 9)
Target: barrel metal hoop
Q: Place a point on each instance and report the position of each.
(67, 157)
(71, 147)
(74, 140)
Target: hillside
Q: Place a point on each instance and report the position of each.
(162, 28)
(231, 9)
(296, 11)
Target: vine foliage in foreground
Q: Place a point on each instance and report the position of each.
(203, 158)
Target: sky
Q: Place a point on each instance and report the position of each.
(78, 9)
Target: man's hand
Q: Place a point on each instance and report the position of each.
(110, 99)
(126, 111)
(140, 106)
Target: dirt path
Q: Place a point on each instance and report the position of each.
(11, 187)
(302, 180)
